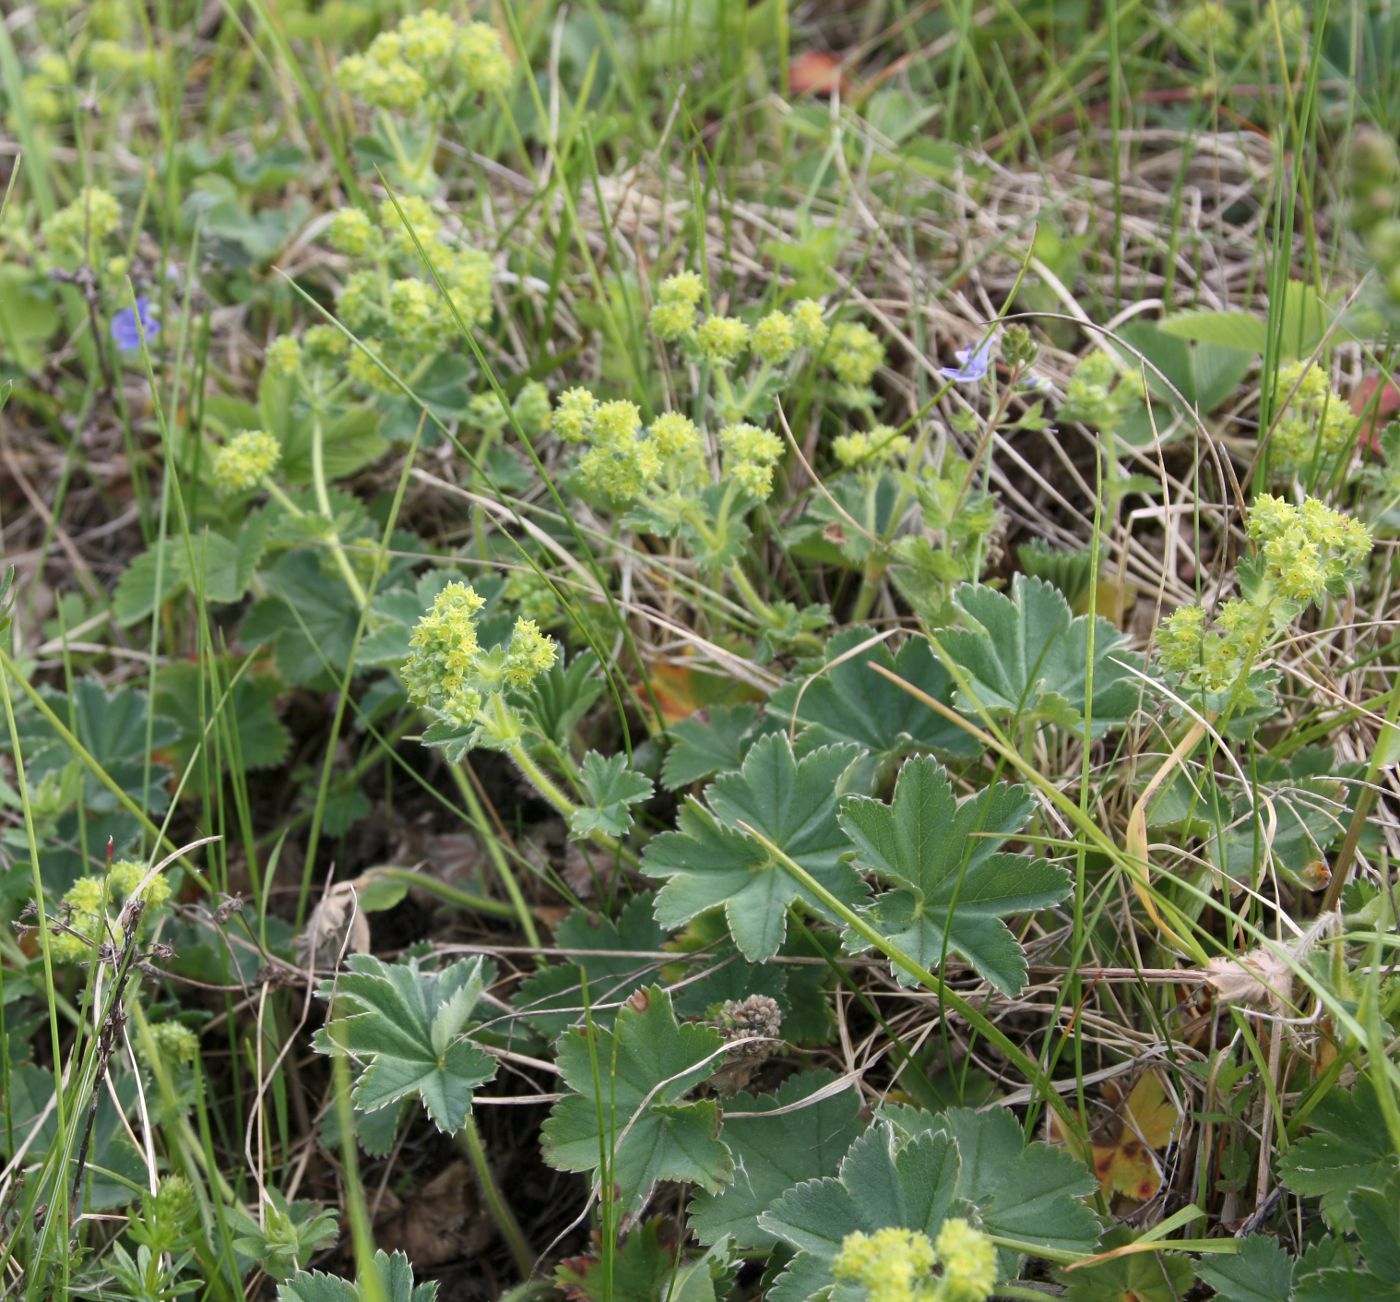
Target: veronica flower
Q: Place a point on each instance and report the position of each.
(132, 324)
(974, 362)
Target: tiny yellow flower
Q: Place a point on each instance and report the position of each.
(573, 415)
(245, 461)
(774, 338)
(809, 328)
(283, 355)
(722, 339)
(350, 231)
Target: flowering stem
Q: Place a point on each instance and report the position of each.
(470, 1140)
(323, 504)
(493, 850)
(755, 388)
(541, 780)
(282, 500)
(870, 581)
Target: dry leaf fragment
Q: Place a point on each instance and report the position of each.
(1124, 1150)
(437, 1223)
(337, 926)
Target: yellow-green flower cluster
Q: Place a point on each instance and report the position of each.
(1208, 25)
(86, 914)
(1302, 551)
(351, 231)
(444, 648)
(896, 1265)
(722, 340)
(411, 309)
(624, 462)
(1098, 393)
(530, 593)
(530, 409)
(411, 224)
(891, 1263)
(1317, 426)
(283, 355)
(677, 299)
(47, 89)
(750, 456)
(49, 93)
(175, 1041)
(809, 328)
(1305, 549)
(969, 1261)
(859, 450)
(447, 670)
(175, 1203)
(75, 232)
(416, 66)
(364, 369)
(1212, 658)
(1373, 208)
(679, 443)
(324, 343)
(573, 414)
(855, 354)
(245, 461)
(621, 464)
(774, 338)
(529, 654)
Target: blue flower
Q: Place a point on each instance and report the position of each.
(132, 323)
(975, 362)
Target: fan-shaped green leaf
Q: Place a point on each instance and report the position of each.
(711, 862)
(952, 887)
(1026, 657)
(408, 1024)
(636, 1077)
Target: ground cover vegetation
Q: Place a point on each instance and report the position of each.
(699, 649)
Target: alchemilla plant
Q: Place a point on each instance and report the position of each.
(674, 655)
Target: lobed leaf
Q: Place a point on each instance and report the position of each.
(711, 862)
(628, 1106)
(952, 887)
(407, 1023)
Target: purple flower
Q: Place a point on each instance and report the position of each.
(975, 362)
(1035, 383)
(131, 324)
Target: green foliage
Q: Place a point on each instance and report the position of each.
(1260, 1272)
(1027, 658)
(645, 1266)
(393, 1282)
(1341, 1154)
(846, 700)
(612, 788)
(255, 449)
(958, 1164)
(627, 1118)
(1146, 1276)
(1030, 1193)
(409, 1025)
(562, 994)
(709, 743)
(284, 1235)
(712, 862)
(777, 1141)
(1304, 317)
(951, 886)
